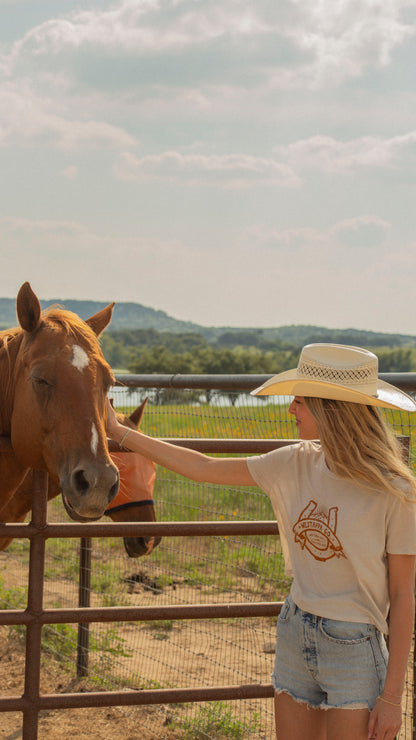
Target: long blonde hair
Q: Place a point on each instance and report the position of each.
(360, 446)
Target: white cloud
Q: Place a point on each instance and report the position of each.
(142, 26)
(65, 80)
(229, 171)
(26, 118)
(335, 249)
(362, 232)
(346, 38)
(297, 42)
(332, 156)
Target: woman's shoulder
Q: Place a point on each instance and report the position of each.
(302, 450)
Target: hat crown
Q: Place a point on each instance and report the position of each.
(350, 367)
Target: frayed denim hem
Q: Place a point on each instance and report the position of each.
(324, 707)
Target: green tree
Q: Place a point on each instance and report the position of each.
(396, 361)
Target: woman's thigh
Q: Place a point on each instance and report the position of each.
(297, 721)
(344, 724)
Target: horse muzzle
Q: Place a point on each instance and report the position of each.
(87, 491)
(136, 547)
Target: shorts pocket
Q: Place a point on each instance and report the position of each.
(285, 610)
(347, 633)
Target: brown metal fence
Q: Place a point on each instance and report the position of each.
(35, 616)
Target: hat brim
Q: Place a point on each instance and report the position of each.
(288, 384)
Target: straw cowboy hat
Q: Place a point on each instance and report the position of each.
(340, 373)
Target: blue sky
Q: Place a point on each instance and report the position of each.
(229, 162)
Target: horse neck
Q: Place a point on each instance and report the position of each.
(10, 342)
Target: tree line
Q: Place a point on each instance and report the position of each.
(147, 351)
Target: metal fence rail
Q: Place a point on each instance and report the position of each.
(237, 382)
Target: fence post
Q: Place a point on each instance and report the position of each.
(84, 592)
(35, 607)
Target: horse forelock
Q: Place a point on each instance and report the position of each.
(69, 323)
(74, 327)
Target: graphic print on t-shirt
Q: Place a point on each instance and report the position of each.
(317, 532)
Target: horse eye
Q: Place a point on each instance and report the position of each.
(40, 381)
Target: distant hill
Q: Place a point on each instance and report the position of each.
(131, 316)
(125, 316)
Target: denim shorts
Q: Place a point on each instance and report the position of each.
(328, 663)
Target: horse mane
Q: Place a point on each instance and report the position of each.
(8, 334)
(70, 324)
(10, 341)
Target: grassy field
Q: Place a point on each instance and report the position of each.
(247, 420)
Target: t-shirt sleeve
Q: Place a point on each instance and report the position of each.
(267, 470)
(257, 469)
(401, 528)
(274, 471)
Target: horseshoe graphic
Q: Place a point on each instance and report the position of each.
(317, 533)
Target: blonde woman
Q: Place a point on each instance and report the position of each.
(345, 503)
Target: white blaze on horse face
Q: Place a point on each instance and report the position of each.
(79, 357)
(94, 439)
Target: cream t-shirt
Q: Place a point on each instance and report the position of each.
(335, 535)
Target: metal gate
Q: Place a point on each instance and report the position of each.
(35, 616)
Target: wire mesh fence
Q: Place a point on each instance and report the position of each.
(185, 570)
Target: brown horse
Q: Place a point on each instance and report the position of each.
(133, 503)
(53, 387)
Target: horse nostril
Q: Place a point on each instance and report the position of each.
(81, 483)
(113, 492)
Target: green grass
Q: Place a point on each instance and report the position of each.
(217, 722)
(242, 422)
(267, 421)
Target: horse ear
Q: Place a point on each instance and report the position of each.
(137, 414)
(28, 308)
(100, 320)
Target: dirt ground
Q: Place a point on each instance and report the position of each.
(105, 723)
(209, 645)
(126, 723)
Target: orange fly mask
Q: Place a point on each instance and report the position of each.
(137, 480)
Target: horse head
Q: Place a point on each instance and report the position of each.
(134, 501)
(58, 385)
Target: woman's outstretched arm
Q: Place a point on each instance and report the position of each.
(189, 463)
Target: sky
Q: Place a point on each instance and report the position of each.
(231, 162)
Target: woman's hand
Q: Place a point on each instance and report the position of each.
(114, 428)
(385, 720)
